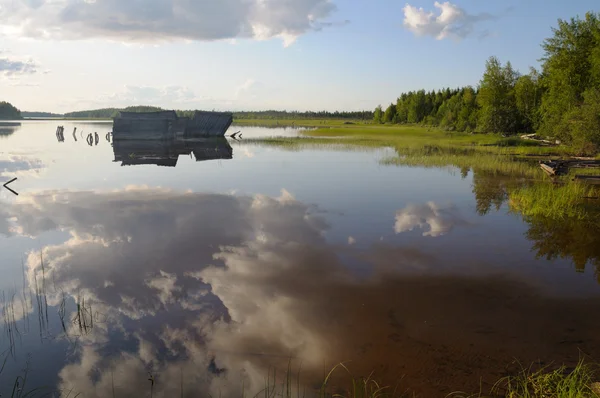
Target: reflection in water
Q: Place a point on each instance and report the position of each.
(436, 220)
(19, 165)
(166, 152)
(243, 284)
(490, 190)
(8, 128)
(566, 238)
(557, 237)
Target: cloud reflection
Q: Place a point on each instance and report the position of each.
(16, 165)
(434, 219)
(193, 283)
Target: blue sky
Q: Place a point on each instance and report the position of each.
(61, 55)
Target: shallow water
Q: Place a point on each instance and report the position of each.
(208, 275)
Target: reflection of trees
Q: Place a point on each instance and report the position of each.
(489, 190)
(566, 238)
(8, 128)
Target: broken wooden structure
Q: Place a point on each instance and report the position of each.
(561, 167)
(167, 125)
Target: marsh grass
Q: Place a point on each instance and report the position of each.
(290, 386)
(477, 160)
(412, 136)
(11, 330)
(558, 383)
(299, 122)
(580, 382)
(569, 200)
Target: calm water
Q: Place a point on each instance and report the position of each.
(208, 275)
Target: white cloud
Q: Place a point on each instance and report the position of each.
(11, 66)
(452, 21)
(164, 20)
(434, 219)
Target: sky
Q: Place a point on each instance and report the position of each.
(67, 55)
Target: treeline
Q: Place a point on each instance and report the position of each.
(40, 114)
(8, 111)
(109, 113)
(561, 101)
(272, 114)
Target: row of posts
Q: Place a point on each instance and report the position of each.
(91, 139)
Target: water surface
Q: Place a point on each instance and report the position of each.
(205, 275)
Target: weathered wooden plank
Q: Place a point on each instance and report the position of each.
(548, 169)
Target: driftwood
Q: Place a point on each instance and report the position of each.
(533, 137)
(561, 167)
(548, 169)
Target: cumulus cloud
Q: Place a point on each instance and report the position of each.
(160, 20)
(11, 67)
(431, 217)
(451, 22)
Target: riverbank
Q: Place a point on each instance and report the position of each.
(410, 137)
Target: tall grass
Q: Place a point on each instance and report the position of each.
(559, 383)
(580, 382)
(548, 200)
(479, 161)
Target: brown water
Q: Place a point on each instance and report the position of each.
(208, 275)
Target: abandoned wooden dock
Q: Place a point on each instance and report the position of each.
(167, 125)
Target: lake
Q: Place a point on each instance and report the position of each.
(214, 268)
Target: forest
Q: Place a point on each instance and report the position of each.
(562, 101)
(108, 113)
(8, 111)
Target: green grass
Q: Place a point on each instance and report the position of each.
(560, 383)
(408, 136)
(298, 122)
(549, 200)
(580, 382)
(466, 158)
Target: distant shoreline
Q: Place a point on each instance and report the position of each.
(67, 118)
